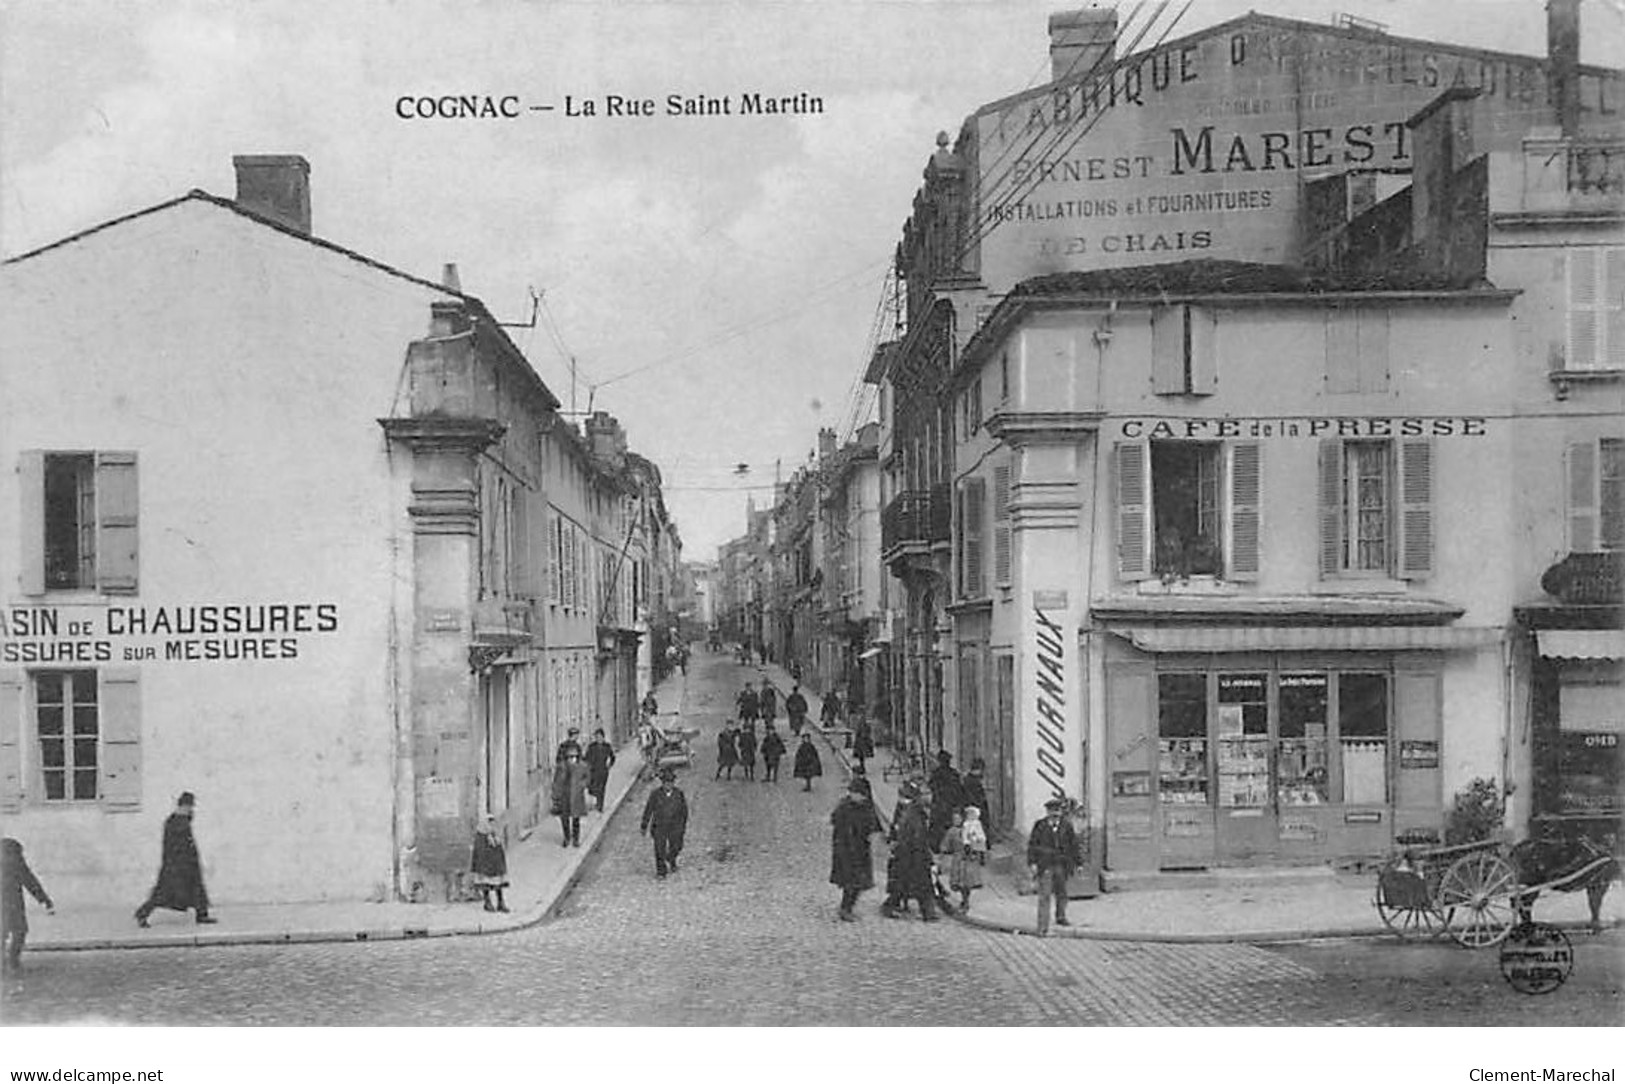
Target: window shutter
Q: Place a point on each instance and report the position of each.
(1613, 306)
(1583, 512)
(1168, 349)
(1001, 526)
(1244, 509)
(1133, 510)
(1342, 349)
(116, 505)
(121, 738)
(1584, 332)
(31, 522)
(1331, 506)
(974, 512)
(551, 553)
(1415, 509)
(1371, 349)
(11, 736)
(524, 575)
(1204, 350)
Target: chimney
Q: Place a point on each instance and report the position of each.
(1078, 40)
(1563, 62)
(605, 439)
(450, 279)
(275, 186)
(826, 444)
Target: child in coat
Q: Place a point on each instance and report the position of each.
(966, 843)
(808, 764)
(490, 863)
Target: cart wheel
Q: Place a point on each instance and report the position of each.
(1477, 895)
(1401, 900)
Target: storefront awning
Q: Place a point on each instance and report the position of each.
(1582, 643)
(1208, 639)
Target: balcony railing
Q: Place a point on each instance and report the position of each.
(916, 516)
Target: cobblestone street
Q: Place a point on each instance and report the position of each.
(746, 934)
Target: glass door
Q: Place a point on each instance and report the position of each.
(1185, 805)
(1246, 808)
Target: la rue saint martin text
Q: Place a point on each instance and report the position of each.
(747, 104)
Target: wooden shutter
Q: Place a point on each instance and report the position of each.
(1415, 509)
(1585, 310)
(973, 511)
(1001, 526)
(1342, 351)
(1168, 349)
(116, 533)
(11, 737)
(31, 521)
(1204, 350)
(1331, 506)
(1133, 493)
(121, 738)
(1245, 484)
(1371, 349)
(550, 553)
(522, 568)
(1612, 316)
(1583, 505)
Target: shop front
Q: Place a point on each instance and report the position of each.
(1241, 746)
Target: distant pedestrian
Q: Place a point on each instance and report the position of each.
(772, 751)
(830, 715)
(973, 793)
(180, 871)
(967, 846)
(946, 796)
(863, 741)
(851, 866)
(490, 866)
(570, 797)
(909, 871)
(572, 740)
(749, 705)
(600, 755)
(808, 765)
(648, 747)
(650, 707)
(1052, 855)
(15, 877)
(769, 700)
(727, 751)
(795, 706)
(665, 818)
(746, 743)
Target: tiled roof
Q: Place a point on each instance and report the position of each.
(1189, 277)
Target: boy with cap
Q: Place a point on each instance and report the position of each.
(1052, 855)
(665, 817)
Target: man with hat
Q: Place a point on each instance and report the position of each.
(909, 871)
(180, 871)
(1052, 855)
(665, 817)
(851, 865)
(572, 741)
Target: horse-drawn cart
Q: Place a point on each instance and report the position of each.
(1479, 892)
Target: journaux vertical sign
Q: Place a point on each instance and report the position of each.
(1053, 765)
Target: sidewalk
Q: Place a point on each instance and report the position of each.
(1229, 906)
(541, 872)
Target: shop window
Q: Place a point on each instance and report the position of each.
(1182, 738)
(1188, 508)
(78, 522)
(1362, 731)
(1244, 741)
(1595, 473)
(1301, 766)
(1376, 516)
(68, 727)
(1596, 308)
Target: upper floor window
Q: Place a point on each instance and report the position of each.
(1183, 350)
(1596, 495)
(79, 522)
(1356, 350)
(1187, 508)
(970, 513)
(1596, 304)
(1376, 514)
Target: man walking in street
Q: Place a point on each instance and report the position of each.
(600, 756)
(795, 706)
(851, 865)
(665, 817)
(180, 871)
(15, 877)
(909, 870)
(748, 703)
(1052, 856)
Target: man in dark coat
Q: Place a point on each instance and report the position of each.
(851, 865)
(772, 752)
(947, 795)
(15, 876)
(180, 872)
(572, 740)
(746, 744)
(863, 741)
(600, 755)
(973, 792)
(750, 705)
(727, 751)
(665, 817)
(1052, 855)
(769, 700)
(809, 765)
(910, 867)
(795, 706)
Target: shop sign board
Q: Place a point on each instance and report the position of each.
(1052, 757)
(1197, 148)
(211, 632)
(1418, 754)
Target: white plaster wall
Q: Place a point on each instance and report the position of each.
(248, 370)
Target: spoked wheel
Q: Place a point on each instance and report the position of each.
(1476, 896)
(1402, 901)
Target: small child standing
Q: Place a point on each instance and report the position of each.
(490, 863)
(967, 844)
